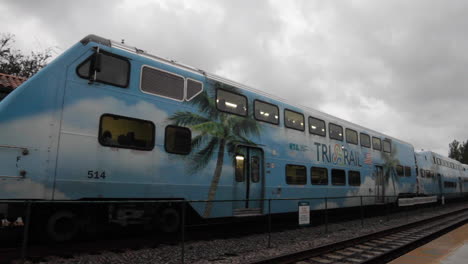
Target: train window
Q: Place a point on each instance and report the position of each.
(365, 140)
(294, 120)
(430, 174)
(387, 145)
(351, 136)
(433, 160)
(317, 126)
(448, 184)
(376, 143)
(255, 169)
(240, 168)
(178, 140)
(266, 112)
(162, 83)
(399, 170)
(114, 70)
(194, 88)
(438, 161)
(336, 131)
(354, 178)
(338, 177)
(319, 176)
(126, 132)
(423, 173)
(231, 102)
(296, 174)
(407, 171)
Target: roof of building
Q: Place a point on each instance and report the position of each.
(10, 81)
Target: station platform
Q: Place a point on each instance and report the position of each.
(451, 248)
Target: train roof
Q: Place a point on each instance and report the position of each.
(135, 50)
(437, 155)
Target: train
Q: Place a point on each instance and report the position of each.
(105, 121)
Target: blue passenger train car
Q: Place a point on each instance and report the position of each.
(439, 175)
(106, 121)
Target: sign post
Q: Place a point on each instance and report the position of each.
(304, 213)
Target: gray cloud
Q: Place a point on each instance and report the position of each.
(393, 66)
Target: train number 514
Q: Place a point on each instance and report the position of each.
(96, 174)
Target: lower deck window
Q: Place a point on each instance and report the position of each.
(296, 174)
(448, 184)
(354, 178)
(178, 140)
(338, 177)
(125, 132)
(319, 176)
(407, 171)
(400, 171)
(240, 168)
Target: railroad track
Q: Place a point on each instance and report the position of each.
(379, 247)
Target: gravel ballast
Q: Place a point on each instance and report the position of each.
(248, 248)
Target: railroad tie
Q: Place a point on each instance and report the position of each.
(321, 260)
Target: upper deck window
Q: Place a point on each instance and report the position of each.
(266, 112)
(376, 143)
(162, 83)
(231, 102)
(335, 131)
(387, 146)
(193, 89)
(365, 140)
(351, 136)
(317, 126)
(294, 120)
(114, 70)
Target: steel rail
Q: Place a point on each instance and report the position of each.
(308, 254)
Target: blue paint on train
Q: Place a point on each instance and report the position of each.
(56, 116)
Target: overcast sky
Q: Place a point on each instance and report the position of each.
(398, 67)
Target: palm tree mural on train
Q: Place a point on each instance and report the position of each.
(390, 163)
(216, 132)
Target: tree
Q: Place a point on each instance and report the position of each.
(455, 151)
(459, 151)
(217, 132)
(464, 152)
(13, 62)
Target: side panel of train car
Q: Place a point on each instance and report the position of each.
(102, 122)
(439, 175)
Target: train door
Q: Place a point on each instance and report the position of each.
(379, 184)
(460, 183)
(248, 181)
(439, 180)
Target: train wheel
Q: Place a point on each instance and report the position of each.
(169, 220)
(62, 226)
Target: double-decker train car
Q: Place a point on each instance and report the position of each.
(105, 121)
(439, 175)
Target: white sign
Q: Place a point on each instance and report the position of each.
(304, 213)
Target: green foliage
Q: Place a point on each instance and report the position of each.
(215, 132)
(213, 128)
(13, 62)
(459, 151)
